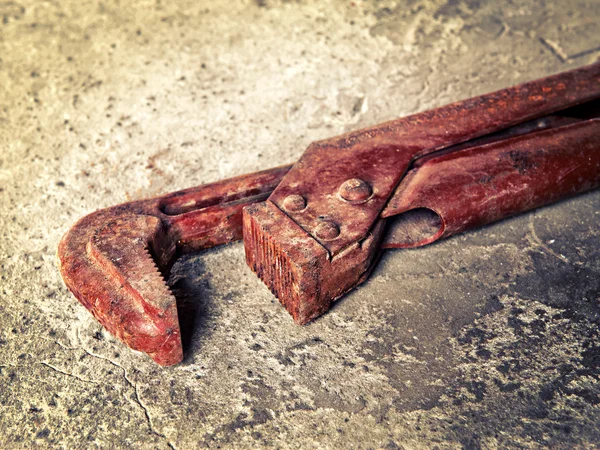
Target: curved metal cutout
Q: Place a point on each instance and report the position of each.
(413, 228)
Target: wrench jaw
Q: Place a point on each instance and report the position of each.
(107, 261)
(296, 268)
(132, 250)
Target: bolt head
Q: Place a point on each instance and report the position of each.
(355, 190)
(327, 231)
(294, 202)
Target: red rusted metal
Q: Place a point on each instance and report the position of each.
(400, 184)
(440, 172)
(113, 259)
(489, 183)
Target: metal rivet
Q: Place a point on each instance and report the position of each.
(294, 202)
(327, 231)
(355, 190)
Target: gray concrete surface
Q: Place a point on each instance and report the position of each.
(487, 340)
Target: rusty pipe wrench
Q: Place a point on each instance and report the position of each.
(112, 260)
(432, 174)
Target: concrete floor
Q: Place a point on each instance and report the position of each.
(486, 340)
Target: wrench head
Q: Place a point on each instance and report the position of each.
(112, 263)
(115, 260)
(297, 269)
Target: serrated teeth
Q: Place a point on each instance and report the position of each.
(158, 271)
(122, 250)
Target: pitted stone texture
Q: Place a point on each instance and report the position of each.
(487, 339)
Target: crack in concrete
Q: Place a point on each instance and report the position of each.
(64, 346)
(134, 386)
(85, 380)
(554, 49)
(585, 52)
(138, 398)
(537, 242)
(562, 56)
(60, 344)
(147, 414)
